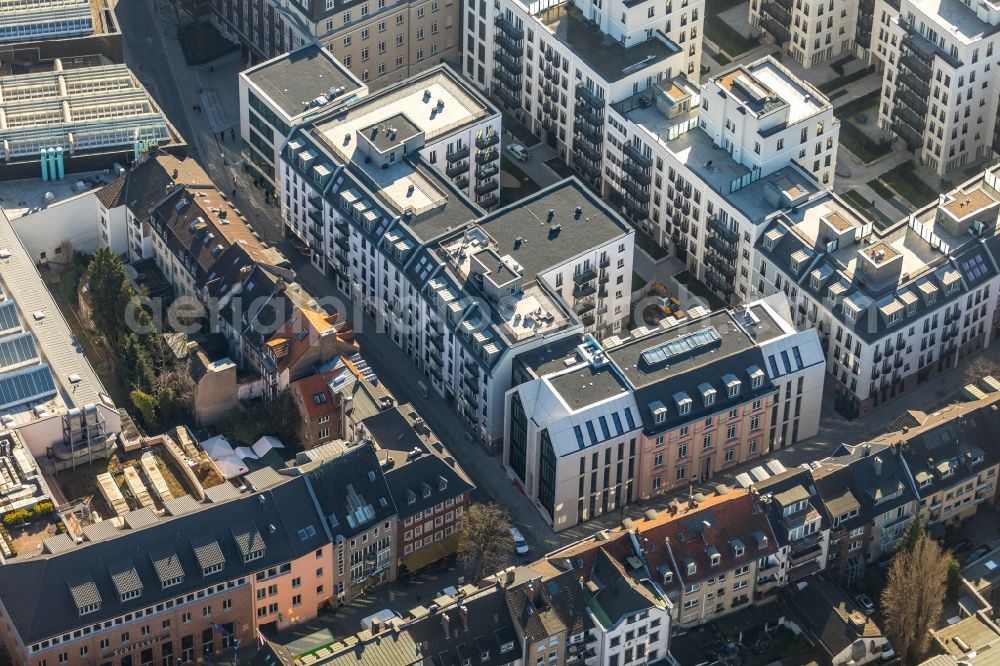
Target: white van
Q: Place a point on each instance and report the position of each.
(520, 545)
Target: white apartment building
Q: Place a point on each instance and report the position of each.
(373, 191)
(941, 63)
(282, 92)
(893, 307)
(795, 512)
(701, 169)
(557, 65)
(606, 425)
(813, 31)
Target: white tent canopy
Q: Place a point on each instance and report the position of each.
(217, 447)
(245, 452)
(265, 444)
(230, 466)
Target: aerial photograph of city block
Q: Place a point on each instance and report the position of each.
(499, 332)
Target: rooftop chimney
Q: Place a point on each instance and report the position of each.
(878, 466)
(463, 612)
(445, 624)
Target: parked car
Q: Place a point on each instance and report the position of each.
(382, 617)
(980, 551)
(520, 545)
(888, 652)
(963, 546)
(519, 152)
(866, 603)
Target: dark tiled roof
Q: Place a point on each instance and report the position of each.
(868, 473)
(41, 594)
(618, 593)
(351, 491)
(489, 626)
(831, 617)
(420, 476)
(952, 451)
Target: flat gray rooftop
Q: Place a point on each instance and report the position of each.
(605, 55)
(587, 385)
(547, 242)
(960, 20)
(628, 355)
(294, 79)
(751, 201)
(696, 150)
(390, 132)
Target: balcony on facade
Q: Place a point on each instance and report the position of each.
(912, 101)
(585, 276)
(583, 290)
(487, 156)
(779, 11)
(911, 135)
(458, 154)
(636, 171)
(487, 171)
(635, 155)
(924, 48)
(487, 140)
(775, 27)
(487, 187)
(457, 169)
(490, 201)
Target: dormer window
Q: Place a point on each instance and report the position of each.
(692, 567)
(850, 312)
(733, 385)
(507, 647)
(707, 394)
(442, 484)
(756, 377)
(411, 497)
(683, 403)
(926, 482)
(659, 411)
(427, 490)
(714, 557)
(738, 547)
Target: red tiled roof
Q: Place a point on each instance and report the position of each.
(733, 516)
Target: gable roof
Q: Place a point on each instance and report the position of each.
(351, 491)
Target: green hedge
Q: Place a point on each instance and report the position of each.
(855, 140)
(842, 81)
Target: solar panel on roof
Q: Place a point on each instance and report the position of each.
(17, 349)
(23, 387)
(673, 349)
(974, 268)
(8, 316)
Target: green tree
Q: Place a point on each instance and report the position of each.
(135, 367)
(146, 404)
(109, 291)
(485, 539)
(914, 596)
(915, 531)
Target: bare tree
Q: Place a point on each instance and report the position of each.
(980, 367)
(485, 539)
(913, 597)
